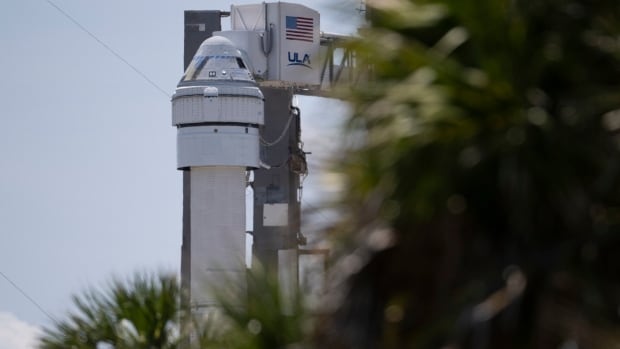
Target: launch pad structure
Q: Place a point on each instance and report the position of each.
(223, 130)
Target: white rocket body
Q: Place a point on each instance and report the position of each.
(217, 109)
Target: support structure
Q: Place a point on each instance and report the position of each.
(281, 45)
(276, 202)
(198, 26)
(276, 223)
(217, 109)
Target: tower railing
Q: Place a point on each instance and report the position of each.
(339, 66)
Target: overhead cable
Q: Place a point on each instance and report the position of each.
(284, 133)
(35, 303)
(108, 48)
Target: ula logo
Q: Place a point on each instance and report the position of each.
(294, 59)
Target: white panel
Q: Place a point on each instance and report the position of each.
(287, 279)
(312, 279)
(217, 232)
(230, 104)
(294, 62)
(233, 89)
(294, 59)
(275, 215)
(195, 109)
(218, 146)
(192, 109)
(273, 60)
(247, 17)
(299, 60)
(245, 110)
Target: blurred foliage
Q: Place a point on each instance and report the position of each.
(141, 312)
(481, 202)
(266, 319)
(147, 311)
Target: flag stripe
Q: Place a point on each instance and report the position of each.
(296, 36)
(299, 32)
(293, 35)
(300, 28)
(305, 40)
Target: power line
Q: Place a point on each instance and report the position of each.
(27, 296)
(112, 51)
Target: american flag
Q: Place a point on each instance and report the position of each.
(300, 28)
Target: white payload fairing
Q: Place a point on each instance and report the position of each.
(217, 109)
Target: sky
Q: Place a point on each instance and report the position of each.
(88, 183)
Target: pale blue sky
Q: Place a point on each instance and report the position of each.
(88, 185)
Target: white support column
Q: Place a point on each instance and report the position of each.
(217, 235)
(288, 279)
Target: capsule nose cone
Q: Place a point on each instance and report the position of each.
(217, 58)
(219, 41)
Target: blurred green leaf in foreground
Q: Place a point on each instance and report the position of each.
(141, 312)
(145, 311)
(482, 192)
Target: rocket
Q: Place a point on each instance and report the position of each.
(217, 109)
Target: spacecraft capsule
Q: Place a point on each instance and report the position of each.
(217, 108)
